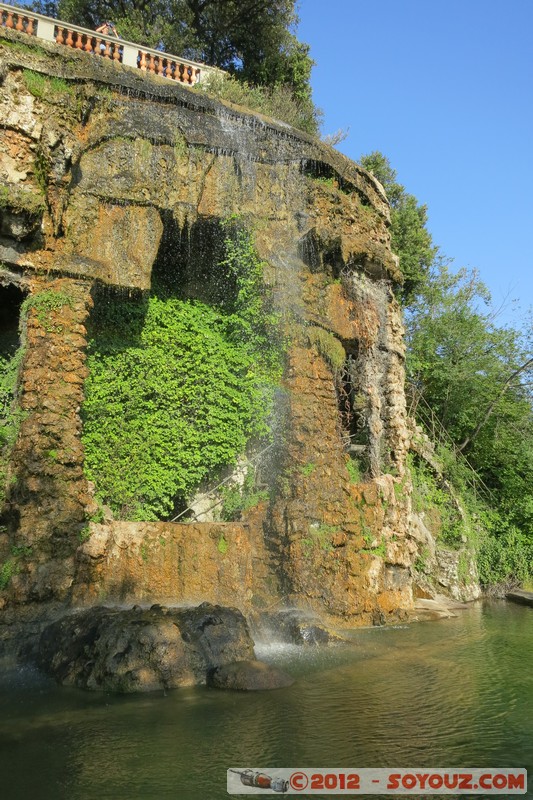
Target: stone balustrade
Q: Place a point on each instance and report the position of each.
(18, 20)
(130, 54)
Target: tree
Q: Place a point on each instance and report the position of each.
(476, 377)
(410, 239)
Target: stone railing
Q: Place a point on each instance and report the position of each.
(128, 53)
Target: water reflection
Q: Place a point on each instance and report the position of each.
(453, 693)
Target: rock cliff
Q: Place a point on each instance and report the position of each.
(106, 173)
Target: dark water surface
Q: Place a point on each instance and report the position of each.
(451, 693)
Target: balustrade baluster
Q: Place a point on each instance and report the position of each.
(157, 64)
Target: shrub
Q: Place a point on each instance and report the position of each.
(177, 388)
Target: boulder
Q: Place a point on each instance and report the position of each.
(248, 676)
(297, 627)
(140, 650)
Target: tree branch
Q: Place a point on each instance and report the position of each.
(493, 404)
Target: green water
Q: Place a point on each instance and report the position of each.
(451, 693)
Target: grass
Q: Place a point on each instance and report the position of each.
(44, 87)
(276, 102)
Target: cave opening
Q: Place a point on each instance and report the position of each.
(353, 409)
(11, 299)
(189, 263)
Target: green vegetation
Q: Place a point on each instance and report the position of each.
(254, 41)
(7, 570)
(327, 345)
(45, 303)
(222, 545)
(421, 560)
(177, 388)
(410, 239)
(84, 534)
(354, 471)
(429, 495)
(45, 87)
(472, 376)
(21, 200)
(239, 499)
(12, 566)
(10, 414)
(308, 469)
(320, 537)
(13, 44)
(277, 102)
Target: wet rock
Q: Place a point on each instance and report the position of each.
(431, 610)
(248, 676)
(520, 596)
(17, 224)
(294, 627)
(141, 650)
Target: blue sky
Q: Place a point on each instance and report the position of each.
(444, 89)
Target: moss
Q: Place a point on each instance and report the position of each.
(8, 569)
(22, 200)
(44, 87)
(327, 345)
(180, 146)
(17, 46)
(308, 469)
(84, 534)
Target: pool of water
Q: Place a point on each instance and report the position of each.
(456, 692)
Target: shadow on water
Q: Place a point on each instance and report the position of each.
(452, 693)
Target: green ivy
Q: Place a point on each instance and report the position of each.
(10, 415)
(44, 303)
(177, 388)
(239, 499)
